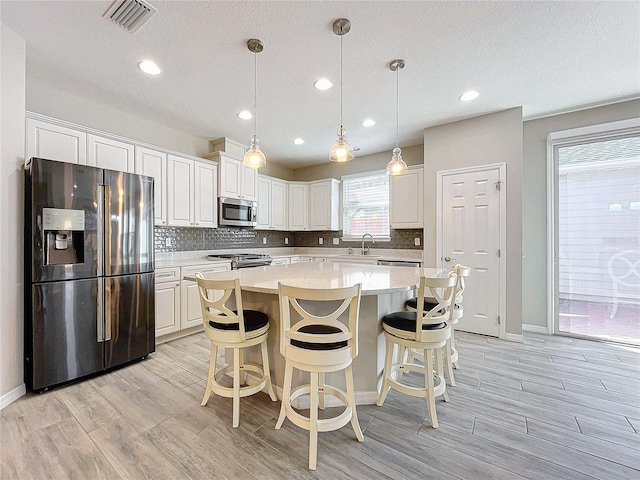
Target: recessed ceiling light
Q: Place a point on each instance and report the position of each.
(323, 84)
(298, 141)
(468, 96)
(245, 115)
(368, 123)
(147, 66)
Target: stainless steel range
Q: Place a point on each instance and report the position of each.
(243, 260)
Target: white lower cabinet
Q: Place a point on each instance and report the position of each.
(191, 310)
(167, 300)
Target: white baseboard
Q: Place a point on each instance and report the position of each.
(535, 329)
(12, 396)
(514, 337)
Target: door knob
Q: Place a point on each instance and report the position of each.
(447, 259)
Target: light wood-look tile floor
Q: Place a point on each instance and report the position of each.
(551, 408)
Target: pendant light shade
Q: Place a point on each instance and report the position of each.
(397, 166)
(341, 150)
(254, 157)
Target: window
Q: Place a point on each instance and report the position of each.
(365, 205)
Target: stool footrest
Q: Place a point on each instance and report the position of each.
(438, 389)
(325, 424)
(245, 391)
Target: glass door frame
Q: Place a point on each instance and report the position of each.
(555, 140)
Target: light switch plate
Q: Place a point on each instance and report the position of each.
(416, 241)
(167, 242)
(336, 241)
(320, 241)
(264, 240)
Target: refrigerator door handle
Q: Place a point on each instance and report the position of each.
(101, 252)
(107, 230)
(107, 310)
(100, 313)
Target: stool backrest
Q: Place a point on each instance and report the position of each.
(214, 295)
(290, 297)
(442, 290)
(462, 272)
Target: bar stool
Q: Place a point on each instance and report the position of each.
(457, 312)
(319, 344)
(235, 330)
(423, 330)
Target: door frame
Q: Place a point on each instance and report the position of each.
(502, 263)
(554, 141)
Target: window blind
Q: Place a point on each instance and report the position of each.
(365, 205)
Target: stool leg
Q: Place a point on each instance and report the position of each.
(402, 354)
(453, 347)
(266, 370)
(428, 380)
(449, 363)
(385, 374)
(313, 422)
(236, 387)
(321, 390)
(243, 357)
(440, 354)
(286, 393)
(212, 373)
(351, 398)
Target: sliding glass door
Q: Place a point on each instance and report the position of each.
(596, 241)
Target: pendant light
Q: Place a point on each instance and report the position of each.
(254, 157)
(397, 166)
(341, 150)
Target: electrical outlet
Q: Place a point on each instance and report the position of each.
(416, 241)
(320, 241)
(286, 240)
(167, 242)
(336, 241)
(264, 240)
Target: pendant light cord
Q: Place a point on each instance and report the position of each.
(341, 127)
(255, 94)
(397, 104)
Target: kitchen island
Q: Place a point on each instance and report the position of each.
(384, 290)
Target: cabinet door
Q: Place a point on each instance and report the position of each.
(167, 308)
(180, 191)
(206, 182)
(298, 206)
(264, 203)
(191, 309)
(45, 140)
(407, 199)
(111, 154)
(230, 177)
(154, 164)
(249, 183)
(279, 205)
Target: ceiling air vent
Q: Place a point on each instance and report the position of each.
(130, 14)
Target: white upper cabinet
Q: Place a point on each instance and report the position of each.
(298, 206)
(111, 154)
(154, 164)
(191, 192)
(54, 142)
(324, 205)
(273, 207)
(407, 199)
(236, 179)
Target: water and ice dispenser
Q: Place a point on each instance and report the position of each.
(63, 236)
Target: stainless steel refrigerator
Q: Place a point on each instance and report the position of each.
(89, 281)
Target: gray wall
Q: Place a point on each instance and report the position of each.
(534, 198)
(12, 68)
(488, 139)
(412, 156)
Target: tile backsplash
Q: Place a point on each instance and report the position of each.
(176, 239)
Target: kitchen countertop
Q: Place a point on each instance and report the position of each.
(375, 279)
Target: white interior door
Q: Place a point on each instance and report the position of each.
(470, 235)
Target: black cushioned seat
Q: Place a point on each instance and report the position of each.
(413, 303)
(322, 330)
(407, 321)
(253, 320)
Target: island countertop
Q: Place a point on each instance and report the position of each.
(375, 279)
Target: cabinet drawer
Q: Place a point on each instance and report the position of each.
(191, 270)
(167, 274)
(281, 261)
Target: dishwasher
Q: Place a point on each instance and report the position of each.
(400, 263)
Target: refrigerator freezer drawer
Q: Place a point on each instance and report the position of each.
(64, 325)
(129, 302)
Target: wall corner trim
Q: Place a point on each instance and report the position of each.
(514, 337)
(12, 396)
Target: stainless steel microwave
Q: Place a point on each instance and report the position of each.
(238, 212)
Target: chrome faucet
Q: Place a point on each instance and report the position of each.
(366, 249)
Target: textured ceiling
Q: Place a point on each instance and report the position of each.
(544, 56)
